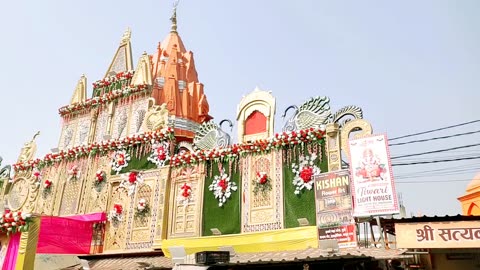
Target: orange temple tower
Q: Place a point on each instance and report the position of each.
(175, 83)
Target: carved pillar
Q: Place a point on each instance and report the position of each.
(110, 119)
(93, 125)
(28, 246)
(332, 147)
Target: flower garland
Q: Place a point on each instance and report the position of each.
(160, 153)
(120, 160)
(100, 177)
(119, 77)
(116, 214)
(143, 209)
(16, 221)
(113, 95)
(304, 172)
(73, 173)
(94, 148)
(186, 193)
(131, 181)
(222, 187)
(280, 140)
(262, 183)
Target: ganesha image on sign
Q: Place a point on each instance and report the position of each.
(370, 168)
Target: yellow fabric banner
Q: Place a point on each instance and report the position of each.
(278, 240)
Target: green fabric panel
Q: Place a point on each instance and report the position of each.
(140, 164)
(227, 217)
(302, 205)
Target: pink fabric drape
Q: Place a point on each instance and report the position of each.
(12, 252)
(67, 235)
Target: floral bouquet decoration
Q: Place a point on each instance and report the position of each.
(160, 154)
(222, 187)
(304, 172)
(100, 177)
(143, 209)
(120, 160)
(47, 187)
(261, 183)
(131, 181)
(73, 173)
(115, 215)
(185, 193)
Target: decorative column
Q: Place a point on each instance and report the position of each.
(332, 147)
(28, 246)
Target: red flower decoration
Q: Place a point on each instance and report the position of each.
(132, 177)
(306, 174)
(186, 190)
(262, 178)
(121, 159)
(99, 176)
(118, 208)
(223, 184)
(47, 183)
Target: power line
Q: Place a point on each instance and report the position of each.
(435, 161)
(433, 130)
(435, 138)
(437, 151)
(433, 181)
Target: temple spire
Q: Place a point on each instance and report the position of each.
(174, 17)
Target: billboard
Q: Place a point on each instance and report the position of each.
(373, 187)
(334, 208)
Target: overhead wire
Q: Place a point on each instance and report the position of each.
(434, 130)
(437, 151)
(435, 138)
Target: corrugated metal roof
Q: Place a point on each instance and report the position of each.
(312, 254)
(316, 254)
(129, 263)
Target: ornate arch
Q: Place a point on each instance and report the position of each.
(261, 103)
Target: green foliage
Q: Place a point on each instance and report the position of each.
(227, 217)
(303, 204)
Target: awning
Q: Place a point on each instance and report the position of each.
(67, 235)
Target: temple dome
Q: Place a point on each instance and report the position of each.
(475, 183)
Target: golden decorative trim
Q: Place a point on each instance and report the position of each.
(361, 125)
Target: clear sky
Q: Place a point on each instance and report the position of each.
(411, 65)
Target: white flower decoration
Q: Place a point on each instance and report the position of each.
(222, 188)
(304, 173)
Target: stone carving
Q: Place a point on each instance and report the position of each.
(316, 112)
(5, 171)
(354, 111)
(156, 117)
(312, 113)
(210, 135)
(126, 36)
(28, 150)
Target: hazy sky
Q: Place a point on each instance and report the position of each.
(411, 65)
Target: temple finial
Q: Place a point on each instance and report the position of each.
(174, 17)
(126, 36)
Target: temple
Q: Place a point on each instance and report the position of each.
(141, 170)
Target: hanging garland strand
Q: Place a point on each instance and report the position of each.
(95, 148)
(279, 141)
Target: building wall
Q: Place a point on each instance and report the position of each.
(450, 260)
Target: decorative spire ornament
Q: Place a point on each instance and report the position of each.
(173, 19)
